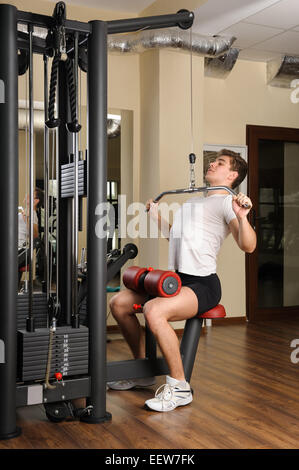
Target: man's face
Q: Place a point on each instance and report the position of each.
(27, 202)
(219, 172)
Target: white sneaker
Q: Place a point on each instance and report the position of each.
(170, 395)
(131, 383)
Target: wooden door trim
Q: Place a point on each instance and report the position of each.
(253, 134)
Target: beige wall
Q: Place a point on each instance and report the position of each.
(243, 98)
(74, 12)
(166, 133)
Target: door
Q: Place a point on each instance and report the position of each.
(272, 271)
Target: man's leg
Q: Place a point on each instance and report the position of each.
(121, 306)
(158, 312)
(161, 310)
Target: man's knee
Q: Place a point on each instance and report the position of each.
(120, 305)
(117, 303)
(153, 316)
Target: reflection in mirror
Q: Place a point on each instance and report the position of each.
(119, 181)
(38, 202)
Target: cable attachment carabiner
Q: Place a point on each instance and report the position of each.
(192, 158)
(58, 40)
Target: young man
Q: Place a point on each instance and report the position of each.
(23, 217)
(198, 230)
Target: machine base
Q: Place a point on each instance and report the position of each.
(94, 420)
(11, 435)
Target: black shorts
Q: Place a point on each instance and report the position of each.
(206, 288)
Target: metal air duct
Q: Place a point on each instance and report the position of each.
(281, 72)
(113, 125)
(169, 38)
(143, 40)
(220, 67)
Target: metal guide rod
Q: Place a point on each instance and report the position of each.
(57, 247)
(76, 193)
(46, 180)
(26, 182)
(30, 319)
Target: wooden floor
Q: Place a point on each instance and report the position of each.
(246, 396)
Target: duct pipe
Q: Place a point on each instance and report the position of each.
(113, 125)
(169, 38)
(281, 72)
(210, 46)
(220, 67)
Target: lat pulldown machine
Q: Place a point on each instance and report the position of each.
(84, 44)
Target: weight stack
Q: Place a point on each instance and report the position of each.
(40, 310)
(67, 179)
(69, 352)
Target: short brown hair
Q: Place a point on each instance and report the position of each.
(39, 193)
(237, 163)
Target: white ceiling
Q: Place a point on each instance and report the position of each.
(264, 29)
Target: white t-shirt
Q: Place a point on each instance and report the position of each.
(198, 231)
(22, 230)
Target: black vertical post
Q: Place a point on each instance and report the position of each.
(64, 228)
(8, 209)
(97, 243)
(189, 344)
(150, 344)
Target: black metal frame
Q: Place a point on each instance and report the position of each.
(94, 386)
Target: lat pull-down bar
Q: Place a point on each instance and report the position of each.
(203, 189)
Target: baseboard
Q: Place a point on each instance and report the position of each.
(228, 321)
(114, 329)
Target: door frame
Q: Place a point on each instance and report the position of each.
(253, 134)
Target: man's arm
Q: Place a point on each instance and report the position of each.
(35, 231)
(163, 225)
(241, 229)
(35, 226)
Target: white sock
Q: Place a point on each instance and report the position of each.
(173, 382)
